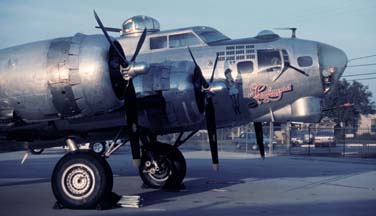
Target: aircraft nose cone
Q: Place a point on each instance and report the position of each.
(332, 60)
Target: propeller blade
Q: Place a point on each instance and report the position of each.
(139, 45)
(110, 29)
(130, 98)
(259, 138)
(214, 67)
(197, 76)
(200, 82)
(287, 64)
(212, 132)
(132, 122)
(193, 58)
(280, 73)
(120, 54)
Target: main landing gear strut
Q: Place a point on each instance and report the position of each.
(163, 165)
(83, 179)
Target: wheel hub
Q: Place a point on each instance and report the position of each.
(159, 172)
(78, 181)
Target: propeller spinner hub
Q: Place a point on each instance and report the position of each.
(134, 69)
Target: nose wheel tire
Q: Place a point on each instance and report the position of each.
(162, 166)
(98, 147)
(81, 180)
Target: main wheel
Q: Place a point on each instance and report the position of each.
(162, 166)
(81, 179)
(98, 147)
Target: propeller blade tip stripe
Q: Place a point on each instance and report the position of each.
(216, 167)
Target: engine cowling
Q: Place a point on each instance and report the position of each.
(59, 78)
(73, 77)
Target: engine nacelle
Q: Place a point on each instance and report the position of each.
(166, 96)
(60, 78)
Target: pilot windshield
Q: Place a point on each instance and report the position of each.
(210, 35)
(269, 60)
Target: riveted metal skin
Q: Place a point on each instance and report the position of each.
(57, 79)
(50, 89)
(61, 66)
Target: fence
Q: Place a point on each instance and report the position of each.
(290, 140)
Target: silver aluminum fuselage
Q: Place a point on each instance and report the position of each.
(63, 86)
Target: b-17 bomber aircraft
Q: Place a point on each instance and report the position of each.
(146, 83)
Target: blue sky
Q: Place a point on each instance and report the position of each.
(347, 24)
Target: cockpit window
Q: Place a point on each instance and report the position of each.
(245, 67)
(183, 40)
(158, 42)
(305, 61)
(269, 60)
(210, 35)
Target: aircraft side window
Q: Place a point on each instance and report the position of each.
(269, 60)
(158, 42)
(183, 40)
(245, 67)
(305, 61)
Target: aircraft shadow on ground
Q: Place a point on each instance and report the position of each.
(205, 180)
(356, 207)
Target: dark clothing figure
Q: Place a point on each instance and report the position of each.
(233, 90)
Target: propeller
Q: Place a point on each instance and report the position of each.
(110, 29)
(205, 103)
(199, 83)
(130, 99)
(288, 65)
(120, 54)
(259, 138)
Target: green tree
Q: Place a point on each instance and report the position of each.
(347, 102)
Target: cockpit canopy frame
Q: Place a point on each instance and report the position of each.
(191, 36)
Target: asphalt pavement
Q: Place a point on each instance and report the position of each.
(245, 185)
